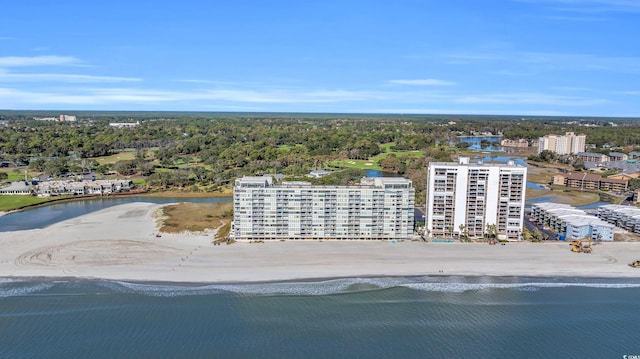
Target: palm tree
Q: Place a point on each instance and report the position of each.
(491, 231)
(462, 232)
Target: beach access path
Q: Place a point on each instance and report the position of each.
(120, 243)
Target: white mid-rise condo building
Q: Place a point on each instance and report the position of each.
(378, 208)
(562, 144)
(468, 199)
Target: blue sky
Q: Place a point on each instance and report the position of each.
(506, 57)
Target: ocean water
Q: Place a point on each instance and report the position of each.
(412, 317)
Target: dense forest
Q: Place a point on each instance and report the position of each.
(206, 151)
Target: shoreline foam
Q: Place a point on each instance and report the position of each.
(452, 284)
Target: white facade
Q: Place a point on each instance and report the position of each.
(465, 198)
(571, 222)
(124, 124)
(67, 118)
(378, 208)
(562, 144)
(626, 217)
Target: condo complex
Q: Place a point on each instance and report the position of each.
(470, 199)
(376, 209)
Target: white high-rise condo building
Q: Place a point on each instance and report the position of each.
(467, 199)
(67, 118)
(562, 144)
(378, 208)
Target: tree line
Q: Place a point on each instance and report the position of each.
(207, 151)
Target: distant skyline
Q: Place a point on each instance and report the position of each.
(494, 57)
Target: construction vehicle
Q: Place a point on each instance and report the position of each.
(578, 247)
(634, 264)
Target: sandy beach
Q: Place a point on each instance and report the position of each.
(120, 243)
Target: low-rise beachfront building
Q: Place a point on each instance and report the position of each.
(58, 188)
(590, 181)
(571, 222)
(318, 173)
(625, 217)
(378, 209)
(618, 156)
(521, 143)
(634, 154)
(591, 157)
(613, 184)
(625, 176)
(465, 198)
(19, 188)
(583, 181)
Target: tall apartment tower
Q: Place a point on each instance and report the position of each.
(378, 208)
(562, 144)
(464, 198)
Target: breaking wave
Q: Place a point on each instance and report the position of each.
(354, 285)
(13, 287)
(17, 288)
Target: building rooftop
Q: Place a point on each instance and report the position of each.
(465, 161)
(590, 154)
(581, 176)
(585, 220)
(17, 186)
(550, 205)
(365, 182)
(561, 212)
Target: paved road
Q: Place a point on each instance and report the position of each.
(531, 226)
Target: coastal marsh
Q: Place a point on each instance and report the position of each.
(195, 217)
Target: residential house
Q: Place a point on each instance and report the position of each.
(617, 156)
(592, 157)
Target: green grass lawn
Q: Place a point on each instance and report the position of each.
(374, 162)
(13, 202)
(359, 164)
(19, 175)
(125, 155)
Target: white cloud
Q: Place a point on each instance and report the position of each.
(573, 89)
(531, 98)
(575, 18)
(422, 82)
(41, 77)
(628, 93)
(549, 61)
(20, 61)
(129, 96)
(467, 111)
(418, 101)
(590, 6)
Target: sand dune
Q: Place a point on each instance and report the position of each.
(120, 243)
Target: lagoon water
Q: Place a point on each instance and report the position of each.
(475, 143)
(41, 217)
(422, 317)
